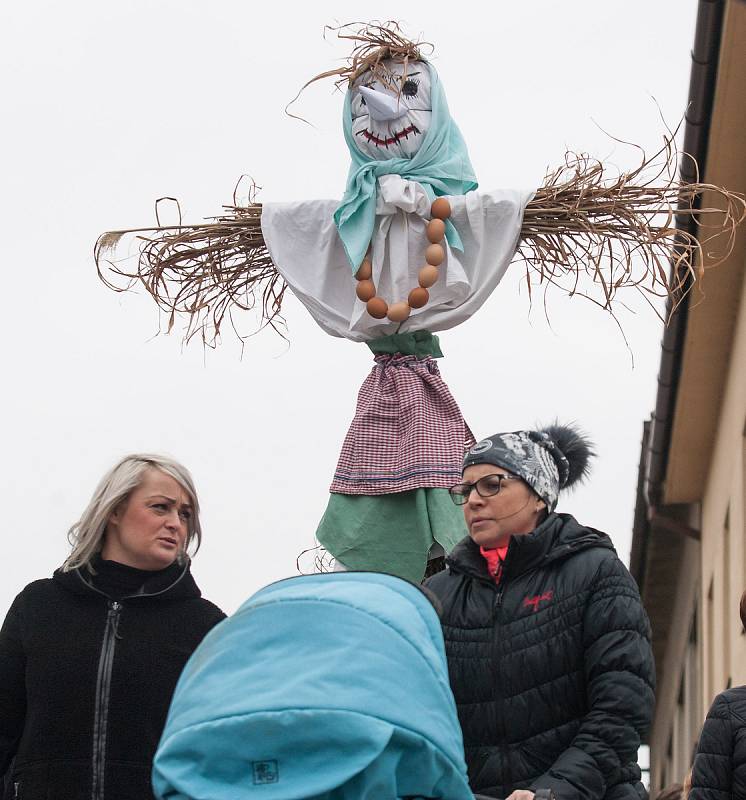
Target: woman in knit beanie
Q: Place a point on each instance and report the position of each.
(547, 641)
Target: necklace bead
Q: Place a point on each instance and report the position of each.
(441, 208)
(436, 230)
(365, 273)
(418, 297)
(377, 307)
(398, 312)
(365, 290)
(435, 254)
(428, 275)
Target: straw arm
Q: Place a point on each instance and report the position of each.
(199, 272)
(588, 226)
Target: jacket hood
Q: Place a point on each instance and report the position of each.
(174, 583)
(329, 687)
(558, 537)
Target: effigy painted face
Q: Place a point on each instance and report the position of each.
(390, 120)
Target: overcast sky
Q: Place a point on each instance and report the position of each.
(107, 106)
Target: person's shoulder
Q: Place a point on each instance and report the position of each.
(456, 562)
(730, 703)
(209, 612)
(39, 593)
(580, 545)
(193, 618)
(589, 556)
(39, 588)
(439, 580)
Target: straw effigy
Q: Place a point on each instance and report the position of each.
(590, 230)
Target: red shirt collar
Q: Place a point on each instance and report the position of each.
(494, 559)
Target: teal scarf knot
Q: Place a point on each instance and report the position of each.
(441, 166)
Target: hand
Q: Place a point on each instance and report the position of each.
(521, 794)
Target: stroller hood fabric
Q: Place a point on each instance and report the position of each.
(321, 687)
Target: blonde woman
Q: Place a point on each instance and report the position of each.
(90, 657)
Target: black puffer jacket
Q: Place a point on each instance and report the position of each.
(720, 762)
(552, 670)
(86, 681)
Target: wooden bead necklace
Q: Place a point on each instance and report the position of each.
(428, 275)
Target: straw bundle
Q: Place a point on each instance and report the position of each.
(203, 272)
(620, 230)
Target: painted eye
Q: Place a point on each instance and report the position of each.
(409, 87)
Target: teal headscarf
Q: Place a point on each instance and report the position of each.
(441, 165)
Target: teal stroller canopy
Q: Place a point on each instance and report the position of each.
(322, 687)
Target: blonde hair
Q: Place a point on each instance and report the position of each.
(86, 535)
(687, 787)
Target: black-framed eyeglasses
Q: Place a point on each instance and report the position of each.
(486, 486)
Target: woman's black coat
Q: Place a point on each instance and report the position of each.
(552, 670)
(86, 682)
(720, 762)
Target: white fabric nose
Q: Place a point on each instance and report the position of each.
(382, 106)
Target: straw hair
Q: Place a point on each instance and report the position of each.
(375, 43)
(87, 534)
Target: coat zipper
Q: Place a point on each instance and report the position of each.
(502, 733)
(103, 679)
(103, 687)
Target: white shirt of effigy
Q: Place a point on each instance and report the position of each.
(303, 242)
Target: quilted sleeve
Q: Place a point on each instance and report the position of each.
(620, 688)
(712, 774)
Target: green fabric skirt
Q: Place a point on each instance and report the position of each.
(390, 533)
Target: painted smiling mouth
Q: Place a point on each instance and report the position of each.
(389, 140)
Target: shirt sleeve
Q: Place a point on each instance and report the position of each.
(620, 687)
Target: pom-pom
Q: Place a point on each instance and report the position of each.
(576, 447)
